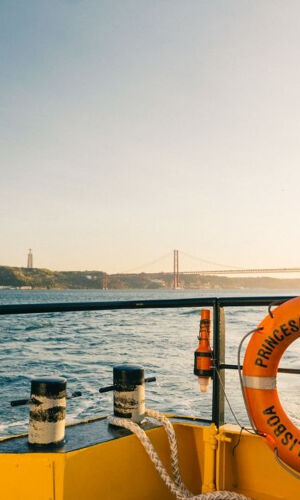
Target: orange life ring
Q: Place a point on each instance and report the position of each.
(260, 367)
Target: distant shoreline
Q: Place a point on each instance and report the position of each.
(43, 289)
(20, 278)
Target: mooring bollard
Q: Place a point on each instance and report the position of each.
(129, 392)
(47, 415)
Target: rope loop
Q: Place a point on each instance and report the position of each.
(174, 483)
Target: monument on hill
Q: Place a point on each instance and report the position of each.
(30, 259)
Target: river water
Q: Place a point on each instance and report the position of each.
(84, 346)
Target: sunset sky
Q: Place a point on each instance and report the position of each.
(130, 128)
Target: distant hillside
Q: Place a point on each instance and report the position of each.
(44, 278)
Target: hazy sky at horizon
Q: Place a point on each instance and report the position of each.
(129, 128)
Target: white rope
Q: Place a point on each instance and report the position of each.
(176, 486)
(173, 449)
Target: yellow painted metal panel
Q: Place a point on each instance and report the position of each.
(252, 468)
(27, 477)
(190, 449)
(122, 469)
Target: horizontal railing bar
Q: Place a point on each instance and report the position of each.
(295, 371)
(139, 304)
(104, 306)
(252, 301)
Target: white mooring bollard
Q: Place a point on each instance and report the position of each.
(47, 418)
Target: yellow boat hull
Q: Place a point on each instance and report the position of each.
(120, 468)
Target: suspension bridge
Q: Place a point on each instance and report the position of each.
(224, 269)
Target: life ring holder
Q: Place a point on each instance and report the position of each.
(279, 329)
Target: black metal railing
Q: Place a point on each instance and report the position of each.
(218, 305)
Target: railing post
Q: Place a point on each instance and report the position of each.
(219, 358)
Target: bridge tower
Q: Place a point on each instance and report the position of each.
(105, 282)
(175, 270)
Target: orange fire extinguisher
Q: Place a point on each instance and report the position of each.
(203, 353)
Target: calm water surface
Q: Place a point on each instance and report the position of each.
(84, 346)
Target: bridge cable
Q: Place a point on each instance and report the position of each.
(147, 264)
(210, 262)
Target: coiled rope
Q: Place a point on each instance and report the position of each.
(175, 485)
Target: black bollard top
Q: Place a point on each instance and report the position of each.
(127, 377)
(49, 386)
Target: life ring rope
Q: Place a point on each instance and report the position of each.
(255, 431)
(274, 303)
(246, 381)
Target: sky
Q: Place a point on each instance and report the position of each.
(132, 128)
